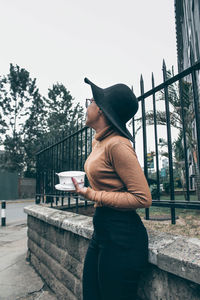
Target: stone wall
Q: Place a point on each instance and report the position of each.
(57, 243)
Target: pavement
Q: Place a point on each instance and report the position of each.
(18, 279)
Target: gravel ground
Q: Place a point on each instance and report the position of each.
(187, 224)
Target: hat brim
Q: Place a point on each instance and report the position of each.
(100, 99)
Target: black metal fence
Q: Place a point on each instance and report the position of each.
(166, 128)
(68, 154)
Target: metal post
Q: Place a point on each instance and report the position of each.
(182, 102)
(196, 111)
(73, 151)
(3, 213)
(156, 141)
(169, 142)
(69, 154)
(77, 139)
(86, 151)
(173, 215)
(62, 200)
(81, 148)
(133, 127)
(144, 138)
(77, 198)
(69, 199)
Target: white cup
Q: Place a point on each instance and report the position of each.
(65, 179)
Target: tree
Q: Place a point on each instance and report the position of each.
(19, 96)
(34, 132)
(28, 120)
(17, 92)
(62, 114)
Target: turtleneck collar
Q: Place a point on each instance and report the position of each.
(104, 133)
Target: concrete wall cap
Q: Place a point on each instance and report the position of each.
(78, 224)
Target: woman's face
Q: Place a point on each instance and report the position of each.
(92, 114)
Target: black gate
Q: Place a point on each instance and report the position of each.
(166, 128)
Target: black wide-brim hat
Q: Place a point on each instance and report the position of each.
(118, 103)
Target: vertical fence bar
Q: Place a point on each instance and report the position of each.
(73, 152)
(59, 169)
(196, 111)
(76, 199)
(52, 171)
(86, 149)
(69, 198)
(57, 161)
(63, 153)
(197, 124)
(45, 179)
(46, 174)
(81, 148)
(77, 158)
(69, 156)
(53, 162)
(156, 141)
(90, 139)
(62, 199)
(133, 131)
(86, 156)
(169, 143)
(60, 156)
(133, 127)
(144, 138)
(182, 102)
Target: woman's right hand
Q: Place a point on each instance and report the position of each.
(78, 190)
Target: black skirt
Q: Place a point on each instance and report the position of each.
(122, 228)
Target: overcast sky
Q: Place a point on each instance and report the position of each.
(108, 41)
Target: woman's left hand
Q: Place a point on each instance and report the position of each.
(80, 191)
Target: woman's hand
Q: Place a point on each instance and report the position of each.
(80, 191)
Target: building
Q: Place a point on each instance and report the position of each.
(187, 14)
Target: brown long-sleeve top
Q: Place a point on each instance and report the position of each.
(114, 173)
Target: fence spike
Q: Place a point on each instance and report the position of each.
(141, 85)
(172, 70)
(152, 78)
(164, 64)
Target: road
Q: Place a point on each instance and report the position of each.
(15, 211)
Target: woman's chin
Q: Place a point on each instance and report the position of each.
(87, 123)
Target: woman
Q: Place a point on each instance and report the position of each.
(118, 250)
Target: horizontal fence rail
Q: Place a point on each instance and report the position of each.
(166, 127)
